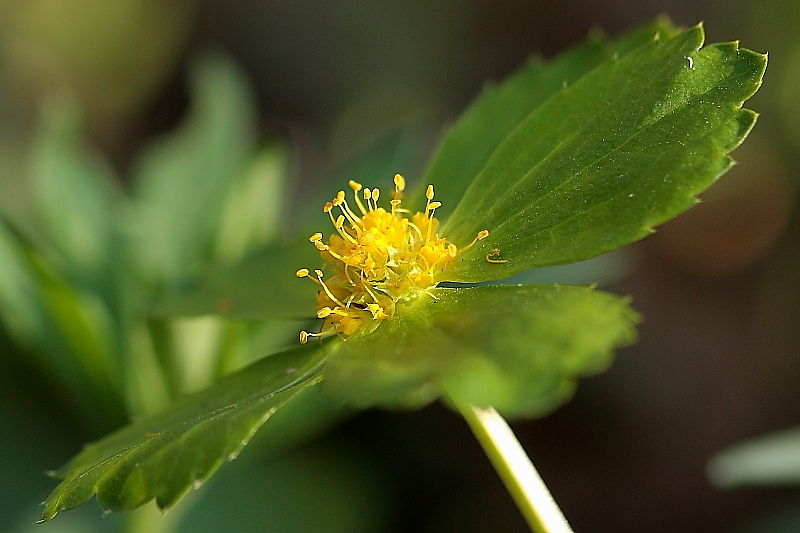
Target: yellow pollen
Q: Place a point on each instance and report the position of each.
(377, 260)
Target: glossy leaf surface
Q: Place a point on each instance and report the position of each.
(500, 108)
(596, 166)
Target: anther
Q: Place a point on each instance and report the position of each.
(304, 337)
(333, 298)
(399, 183)
(429, 192)
(302, 273)
(482, 234)
(357, 187)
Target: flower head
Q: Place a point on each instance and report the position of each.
(378, 259)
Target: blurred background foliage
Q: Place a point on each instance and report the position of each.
(270, 100)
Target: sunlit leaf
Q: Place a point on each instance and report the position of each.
(494, 114)
(624, 148)
(162, 456)
(517, 348)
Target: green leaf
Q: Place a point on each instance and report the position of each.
(75, 194)
(516, 348)
(160, 457)
(500, 108)
(772, 459)
(254, 209)
(66, 330)
(626, 147)
(181, 182)
(20, 310)
(262, 286)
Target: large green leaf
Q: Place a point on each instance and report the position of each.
(516, 348)
(494, 114)
(160, 457)
(181, 182)
(624, 148)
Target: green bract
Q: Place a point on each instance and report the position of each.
(566, 160)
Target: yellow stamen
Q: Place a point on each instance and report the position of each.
(357, 187)
(378, 260)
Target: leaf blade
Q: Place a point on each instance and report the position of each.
(499, 109)
(517, 348)
(160, 457)
(627, 147)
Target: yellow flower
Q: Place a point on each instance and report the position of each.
(377, 259)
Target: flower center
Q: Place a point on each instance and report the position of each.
(377, 259)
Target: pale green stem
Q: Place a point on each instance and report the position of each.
(150, 519)
(515, 469)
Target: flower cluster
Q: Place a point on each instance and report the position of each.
(378, 258)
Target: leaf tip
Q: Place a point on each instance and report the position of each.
(47, 513)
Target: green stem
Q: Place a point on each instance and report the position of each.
(515, 469)
(146, 519)
(150, 519)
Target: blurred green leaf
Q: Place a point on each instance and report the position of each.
(516, 348)
(329, 482)
(20, 311)
(494, 114)
(182, 181)
(67, 329)
(255, 207)
(164, 455)
(76, 195)
(262, 286)
(596, 166)
(772, 459)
